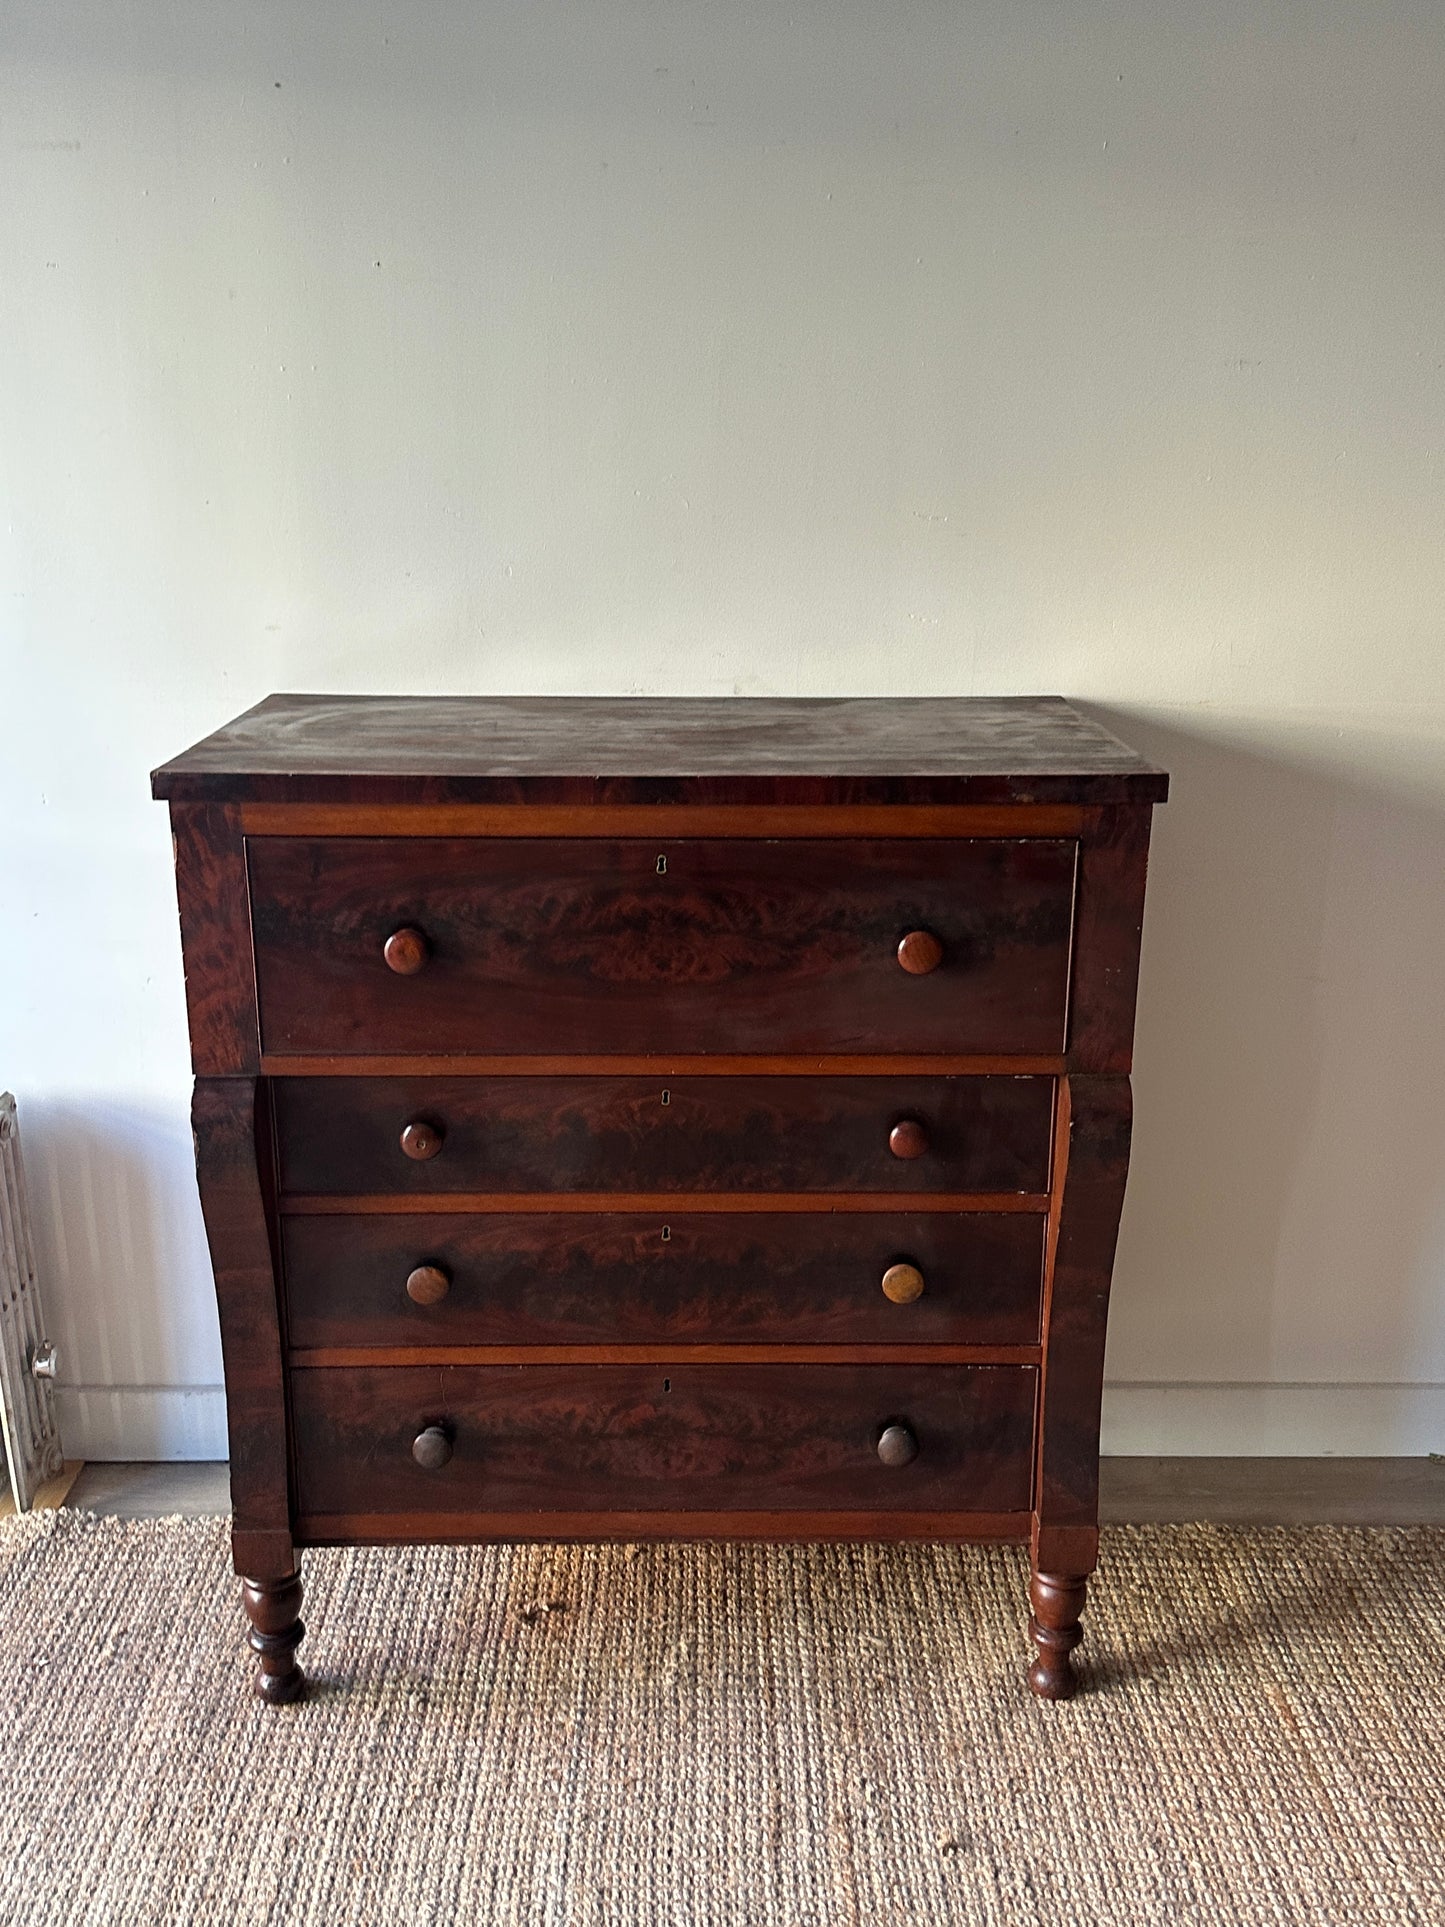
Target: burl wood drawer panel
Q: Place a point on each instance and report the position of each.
(653, 1438)
(558, 945)
(526, 1278)
(345, 1135)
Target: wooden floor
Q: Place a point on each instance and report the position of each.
(51, 1496)
(194, 1491)
(1273, 1492)
(1133, 1491)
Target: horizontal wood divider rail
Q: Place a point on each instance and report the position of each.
(278, 1064)
(308, 1205)
(326, 1357)
(389, 1528)
(738, 820)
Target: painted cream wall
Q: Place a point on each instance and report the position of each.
(645, 347)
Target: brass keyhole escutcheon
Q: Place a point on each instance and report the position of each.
(662, 866)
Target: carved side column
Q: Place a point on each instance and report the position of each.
(1091, 1166)
(231, 1127)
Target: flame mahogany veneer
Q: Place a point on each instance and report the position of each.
(622, 1118)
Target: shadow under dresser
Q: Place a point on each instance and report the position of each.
(678, 1118)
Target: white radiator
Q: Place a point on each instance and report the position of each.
(27, 1359)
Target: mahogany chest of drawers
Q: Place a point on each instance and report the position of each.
(689, 1118)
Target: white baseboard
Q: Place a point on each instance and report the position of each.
(142, 1421)
(1273, 1421)
(1140, 1421)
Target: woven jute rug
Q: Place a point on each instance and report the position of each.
(708, 1734)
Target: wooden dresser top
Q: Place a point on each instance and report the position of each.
(693, 749)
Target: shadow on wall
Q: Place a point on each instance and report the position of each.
(1286, 1212)
(121, 1254)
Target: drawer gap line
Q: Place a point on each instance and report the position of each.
(332, 1357)
(796, 1064)
(321, 1529)
(344, 1204)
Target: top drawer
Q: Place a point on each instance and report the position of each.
(545, 945)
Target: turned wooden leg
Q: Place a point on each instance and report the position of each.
(1057, 1600)
(273, 1607)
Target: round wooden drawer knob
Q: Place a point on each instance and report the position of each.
(432, 1448)
(897, 1445)
(429, 1284)
(901, 1283)
(421, 1140)
(907, 1139)
(405, 951)
(919, 952)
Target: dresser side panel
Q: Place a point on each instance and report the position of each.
(215, 910)
(1108, 926)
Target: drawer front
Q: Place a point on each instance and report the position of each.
(652, 1438)
(528, 1278)
(541, 945)
(344, 1135)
